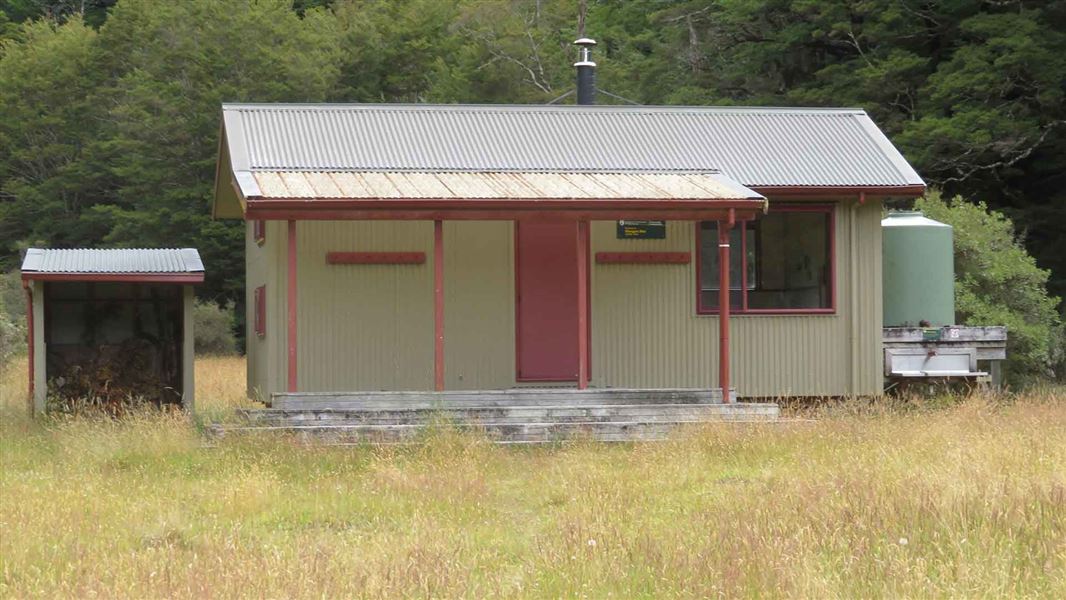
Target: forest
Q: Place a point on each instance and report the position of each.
(109, 110)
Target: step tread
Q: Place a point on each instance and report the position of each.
(518, 407)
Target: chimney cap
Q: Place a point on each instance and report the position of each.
(585, 42)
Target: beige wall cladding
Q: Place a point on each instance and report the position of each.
(266, 265)
(646, 332)
(364, 327)
(255, 267)
(866, 277)
(370, 327)
(479, 332)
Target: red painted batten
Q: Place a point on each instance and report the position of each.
(292, 307)
(643, 258)
(177, 278)
(723, 302)
(375, 258)
(438, 304)
(582, 305)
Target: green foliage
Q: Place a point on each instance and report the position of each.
(47, 121)
(998, 283)
(213, 331)
(109, 111)
(12, 316)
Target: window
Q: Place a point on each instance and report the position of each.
(780, 263)
(259, 231)
(260, 311)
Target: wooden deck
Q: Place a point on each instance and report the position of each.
(523, 415)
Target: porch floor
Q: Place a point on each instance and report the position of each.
(519, 415)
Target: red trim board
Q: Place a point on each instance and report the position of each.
(375, 258)
(643, 258)
(122, 277)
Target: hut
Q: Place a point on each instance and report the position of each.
(110, 324)
(462, 247)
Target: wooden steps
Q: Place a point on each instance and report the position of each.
(511, 397)
(508, 416)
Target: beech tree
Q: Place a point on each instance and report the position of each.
(109, 109)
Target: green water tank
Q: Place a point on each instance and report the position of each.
(918, 271)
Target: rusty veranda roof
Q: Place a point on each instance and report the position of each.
(41, 263)
(495, 185)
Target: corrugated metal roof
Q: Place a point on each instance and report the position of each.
(466, 185)
(771, 147)
(132, 260)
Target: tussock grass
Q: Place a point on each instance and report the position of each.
(963, 498)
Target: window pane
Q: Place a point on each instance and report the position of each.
(792, 261)
(709, 266)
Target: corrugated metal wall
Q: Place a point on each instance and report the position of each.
(364, 327)
(866, 277)
(370, 327)
(479, 326)
(646, 332)
(257, 264)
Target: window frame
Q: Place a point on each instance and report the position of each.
(259, 231)
(260, 311)
(828, 209)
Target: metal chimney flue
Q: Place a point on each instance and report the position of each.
(586, 72)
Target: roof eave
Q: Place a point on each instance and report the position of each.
(824, 191)
(228, 201)
(499, 208)
(175, 278)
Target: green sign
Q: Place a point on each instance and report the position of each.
(642, 230)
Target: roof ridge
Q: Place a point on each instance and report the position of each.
(547, 108)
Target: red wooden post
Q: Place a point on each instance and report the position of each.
(292, 306)
(29, 336)
(438, 305)
(582, 305)
(723, 308)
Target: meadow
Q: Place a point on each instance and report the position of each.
(952, 497)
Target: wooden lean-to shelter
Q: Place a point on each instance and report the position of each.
(108, 326)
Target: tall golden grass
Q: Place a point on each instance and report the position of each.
(967, 499)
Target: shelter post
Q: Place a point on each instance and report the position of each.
(292, 306)
(29, 336)
(188, 352)
(582, 305)
(724, 229)
(438, 305)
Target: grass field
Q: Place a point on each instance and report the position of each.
(963, 499)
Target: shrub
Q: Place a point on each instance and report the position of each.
(12, 319)
(213, 328)
(998, 283)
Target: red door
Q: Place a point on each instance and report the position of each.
(546, 301)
